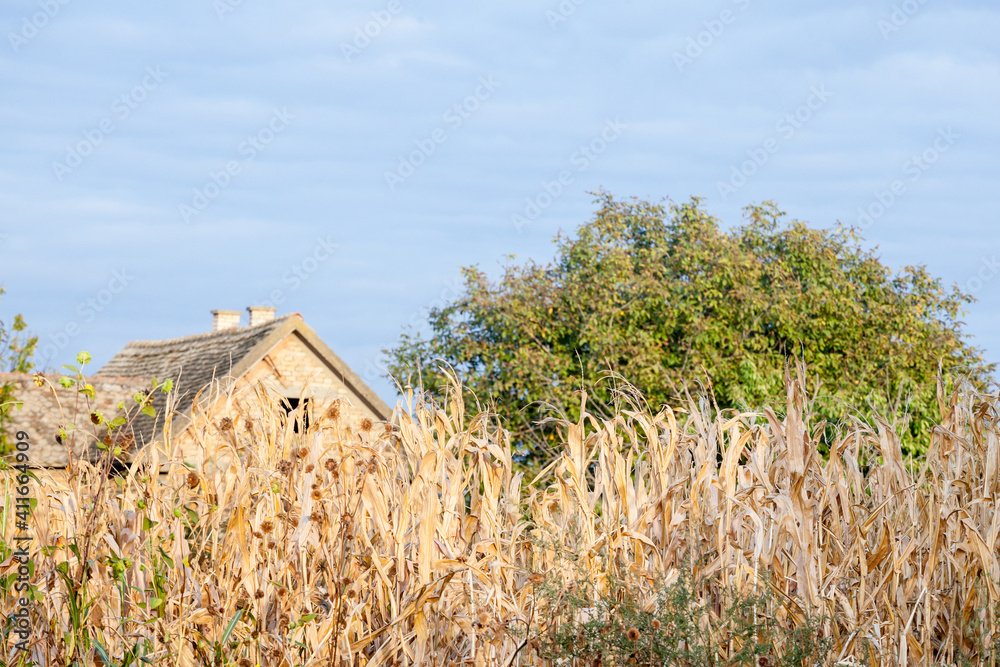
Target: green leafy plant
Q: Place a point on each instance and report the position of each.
(16, 351)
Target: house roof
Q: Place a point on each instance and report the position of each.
(195, 362)
(51, 407)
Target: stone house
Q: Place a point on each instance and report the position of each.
(281, 356)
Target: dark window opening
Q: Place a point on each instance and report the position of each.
(301, 417)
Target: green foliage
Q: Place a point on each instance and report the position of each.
(16, 350)
(668, 300)
(615, 627)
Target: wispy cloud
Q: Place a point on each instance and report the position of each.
(355, 118)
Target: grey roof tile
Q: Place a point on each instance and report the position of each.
(192, 362)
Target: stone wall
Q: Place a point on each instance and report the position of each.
(294, 370)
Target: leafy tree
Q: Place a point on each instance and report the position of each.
(673, 303)
(16, 351)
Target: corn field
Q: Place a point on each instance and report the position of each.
(418, 542)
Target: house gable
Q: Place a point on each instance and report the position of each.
(294, 368)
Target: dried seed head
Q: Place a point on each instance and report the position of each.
(314, 486)
(245, 663)
(633, 634)
(285, 467)
(762, 661)
(310, 468)
(388, 428)
(656, 624)
(351, 594)
(267, 526)
(192, 480)
(302, 453)
(225, 424)
(259, 594)
(282, 592)
(333, 412)
(536, 578)
(259, 535)
(366, 424)
(330, 465)
(316, 495)
(483, 618)
(316, 516)
(271, 544)
(95, 418)
(293, 521)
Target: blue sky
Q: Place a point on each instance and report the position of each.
(163, 159)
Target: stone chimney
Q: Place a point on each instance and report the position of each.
(225, 319)
(260, 314)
